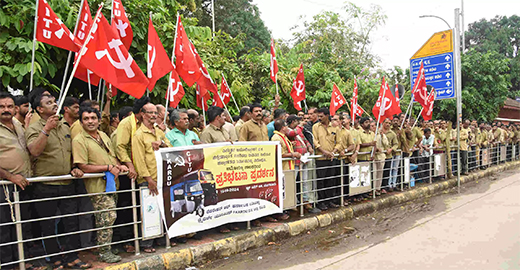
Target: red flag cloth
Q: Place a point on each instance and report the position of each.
(217, 101)
(225, 91)
(158, 63)
(106, 56)
(185, 56)
(336, 101)
(175, 89)
(428, 111)
(84, 25)
(355, 109)
(51, 30)
(274, 63)
(121, 22)
(420, 93)
(298, 89)
(386, 104)
(201, 93)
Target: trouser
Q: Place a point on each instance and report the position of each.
(104, 219)
(7, 232)
(386, 172)
(143, 243)
(86, 221)
(378, 173)
(425, 168)
(48, 208)
(302, 180)
(478, 155)
(327, 180)
(464, 161)
(449, 161)
(455, 165)
(394, 171)
(124, 216)
(472, 159)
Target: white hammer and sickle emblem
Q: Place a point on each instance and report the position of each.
(299, 86)
(124, 64)
(151, 61)
(122, 28)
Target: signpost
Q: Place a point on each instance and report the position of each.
(437, 57)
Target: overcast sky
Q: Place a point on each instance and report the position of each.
(404, 32)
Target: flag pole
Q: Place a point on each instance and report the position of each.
(148, 68)
(407, 109)
(170, 77)
(232, 96)
(222, 100)
(383, 107)
(70, 52)
(276, 82)
(411, 96)
(204, 105)
(420, 113)
(305, 103)
(81, 52)
(34, 45)
(89, 86)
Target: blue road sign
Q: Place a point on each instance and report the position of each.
(438, 72)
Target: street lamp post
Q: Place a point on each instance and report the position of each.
(433, 16)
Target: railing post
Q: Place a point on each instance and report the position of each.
(401, 168)
(134, 210)
(19, 234)
(430, 171)
(373, 179)
(301, 188)
(341, 170)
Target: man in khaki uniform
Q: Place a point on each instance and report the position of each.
(395, 155)
(464, 147)
(349, 150)
(214, 132)
(93, 153)
(254, 129)
(147, 139)
(245, 115)
(327, 143)
(49, 142)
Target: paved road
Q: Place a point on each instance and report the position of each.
(476, 231)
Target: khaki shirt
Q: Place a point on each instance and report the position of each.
(483, 138)
(406, 140)
(440, 136)
(144, 155)
(18, 121)
(499, 135)
(418, 134)
(464, 137)
(326, 138)
(393, 143)
(124, 135)
(286, 148)
(231, 131)
(346, 139)
(365, 137)
(381, 143)
(75, 129)
(57, 156)
(87, 150)
(212, 134)
(253, 131)
(238, 126)
(14, 156)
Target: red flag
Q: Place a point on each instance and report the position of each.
(158, 63)
(428, 111)
(122, 24)
(225, 91)
(106, 56)
(51, 30)
(175, 89)
(355, 109)
(420, 93)
(386, 106)
(84, 25)
(336, 101)
(185, 57)
(298, 89)
(202, 94)
(217, 101)
(274, 63)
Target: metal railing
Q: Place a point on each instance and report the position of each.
(314, 183)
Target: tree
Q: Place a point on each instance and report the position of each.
(235, 17)
(500, 34)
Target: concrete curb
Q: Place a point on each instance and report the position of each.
(225, 247)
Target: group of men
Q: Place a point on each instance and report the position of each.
(121, 146)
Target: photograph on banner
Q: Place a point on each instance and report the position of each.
(360, 181)
(205, 186)
(152, 225)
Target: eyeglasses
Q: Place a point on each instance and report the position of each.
(156, 113)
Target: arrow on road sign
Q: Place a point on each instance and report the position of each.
(447, 66)
(447, 58)
(448, 83)
(448, 75)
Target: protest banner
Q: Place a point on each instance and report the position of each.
(205, 186)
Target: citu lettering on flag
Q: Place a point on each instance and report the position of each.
(274, 63)
(51, 30)
(355, 109)
(186, 62)
(336, 100)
